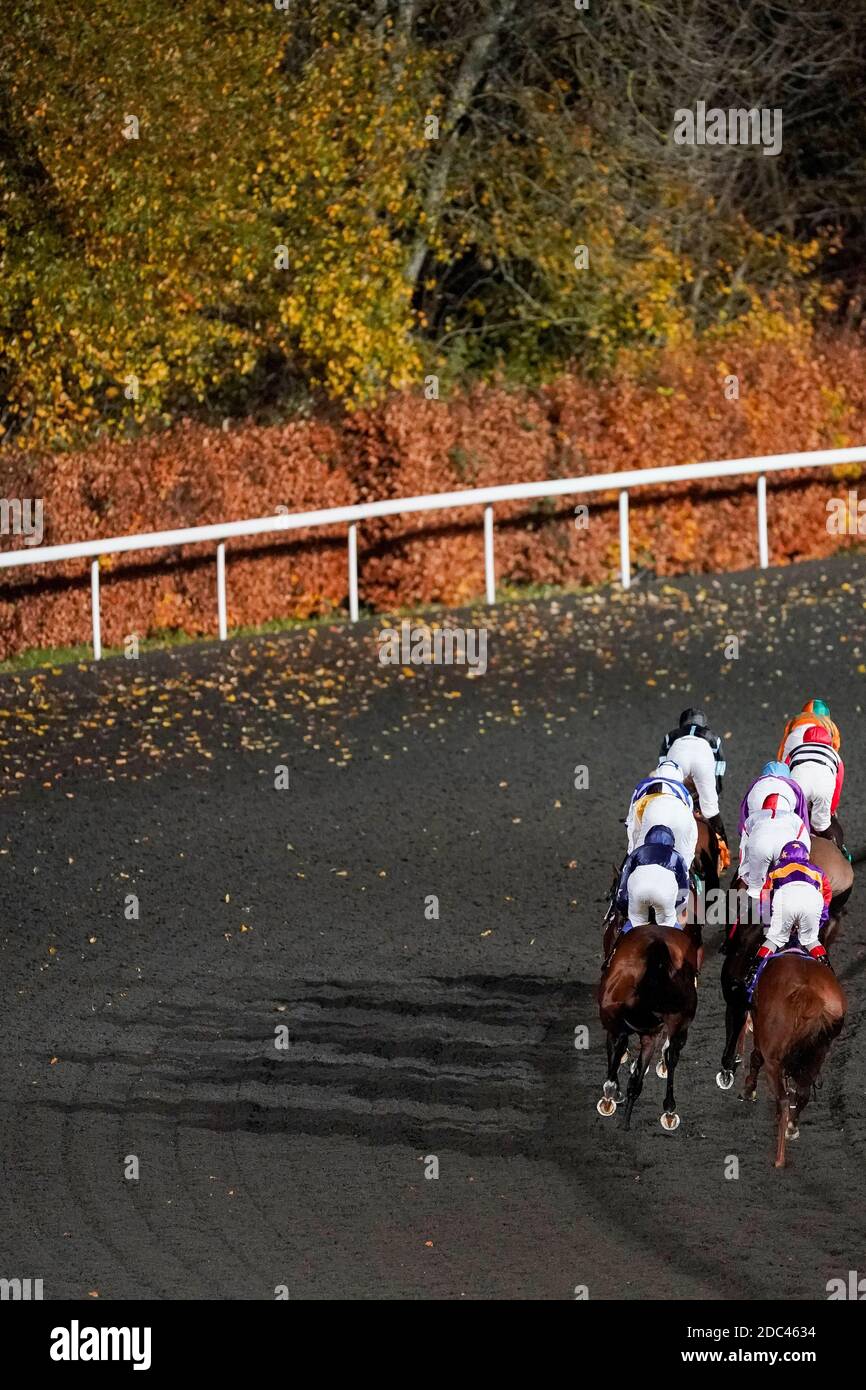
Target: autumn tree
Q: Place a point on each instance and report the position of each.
(236, 208)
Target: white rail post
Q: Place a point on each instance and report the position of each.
(94, 610)
(763, 544)
(353, 573)
(624, 555)
(222, 612)
(489, 569)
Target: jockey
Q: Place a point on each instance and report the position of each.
(663, 799)
(764, 836)
(817, 768)
(775, 780)
(799, 896)
(813, 712)
(699, 753)
(653, 876)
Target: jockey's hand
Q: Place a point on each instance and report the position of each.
(724, 856)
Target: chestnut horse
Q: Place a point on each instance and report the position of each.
(648, 986)
(745, 938)
(798, 1008)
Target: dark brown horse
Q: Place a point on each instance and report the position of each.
(707, 854)
(744, 938)
(826, 855)
(648, 987)
(798, 1009)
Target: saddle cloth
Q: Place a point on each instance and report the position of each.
(790, 950)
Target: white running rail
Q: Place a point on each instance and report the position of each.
(484, 497)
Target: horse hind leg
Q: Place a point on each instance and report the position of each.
(735, 1024)
(670, 1120)
(750, 1087)
(639, 1070)
(617, 1042)
(798, 1098)
(779, 1086)
(802, 1087)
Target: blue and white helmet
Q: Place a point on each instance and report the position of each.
(670, 769)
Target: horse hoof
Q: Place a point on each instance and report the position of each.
(724, 1080)
(670, 1120)
(792, 1132)
(661, 1069)
(606, 1107)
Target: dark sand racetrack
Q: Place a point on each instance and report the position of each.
(409, 1037)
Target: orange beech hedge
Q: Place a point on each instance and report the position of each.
(790, 398)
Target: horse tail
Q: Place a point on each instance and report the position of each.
(817, 1019)
(661, 987)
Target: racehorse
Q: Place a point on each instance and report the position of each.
(707, 854)
(798, 1009)
(647, 986)
(744, 939)
(826, 855)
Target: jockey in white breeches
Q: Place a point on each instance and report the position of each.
(665, 809)
(652, 887)
(795, 905)
(800, 896)
(763, 838)
(695, 757)
(665, 786)
(654, 879)
(818, 769)
(701, 756)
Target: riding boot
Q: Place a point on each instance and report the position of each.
(716, 823)
(762, 955)
(818, 953)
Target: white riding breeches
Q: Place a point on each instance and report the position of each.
(762, 846)
(819, 788)
(697, 760)
(675, 814)
(651, 886)
(795, 905)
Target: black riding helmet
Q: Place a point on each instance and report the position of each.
(693, 716)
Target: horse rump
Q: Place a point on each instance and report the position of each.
(817, 1020)
(669, 985)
